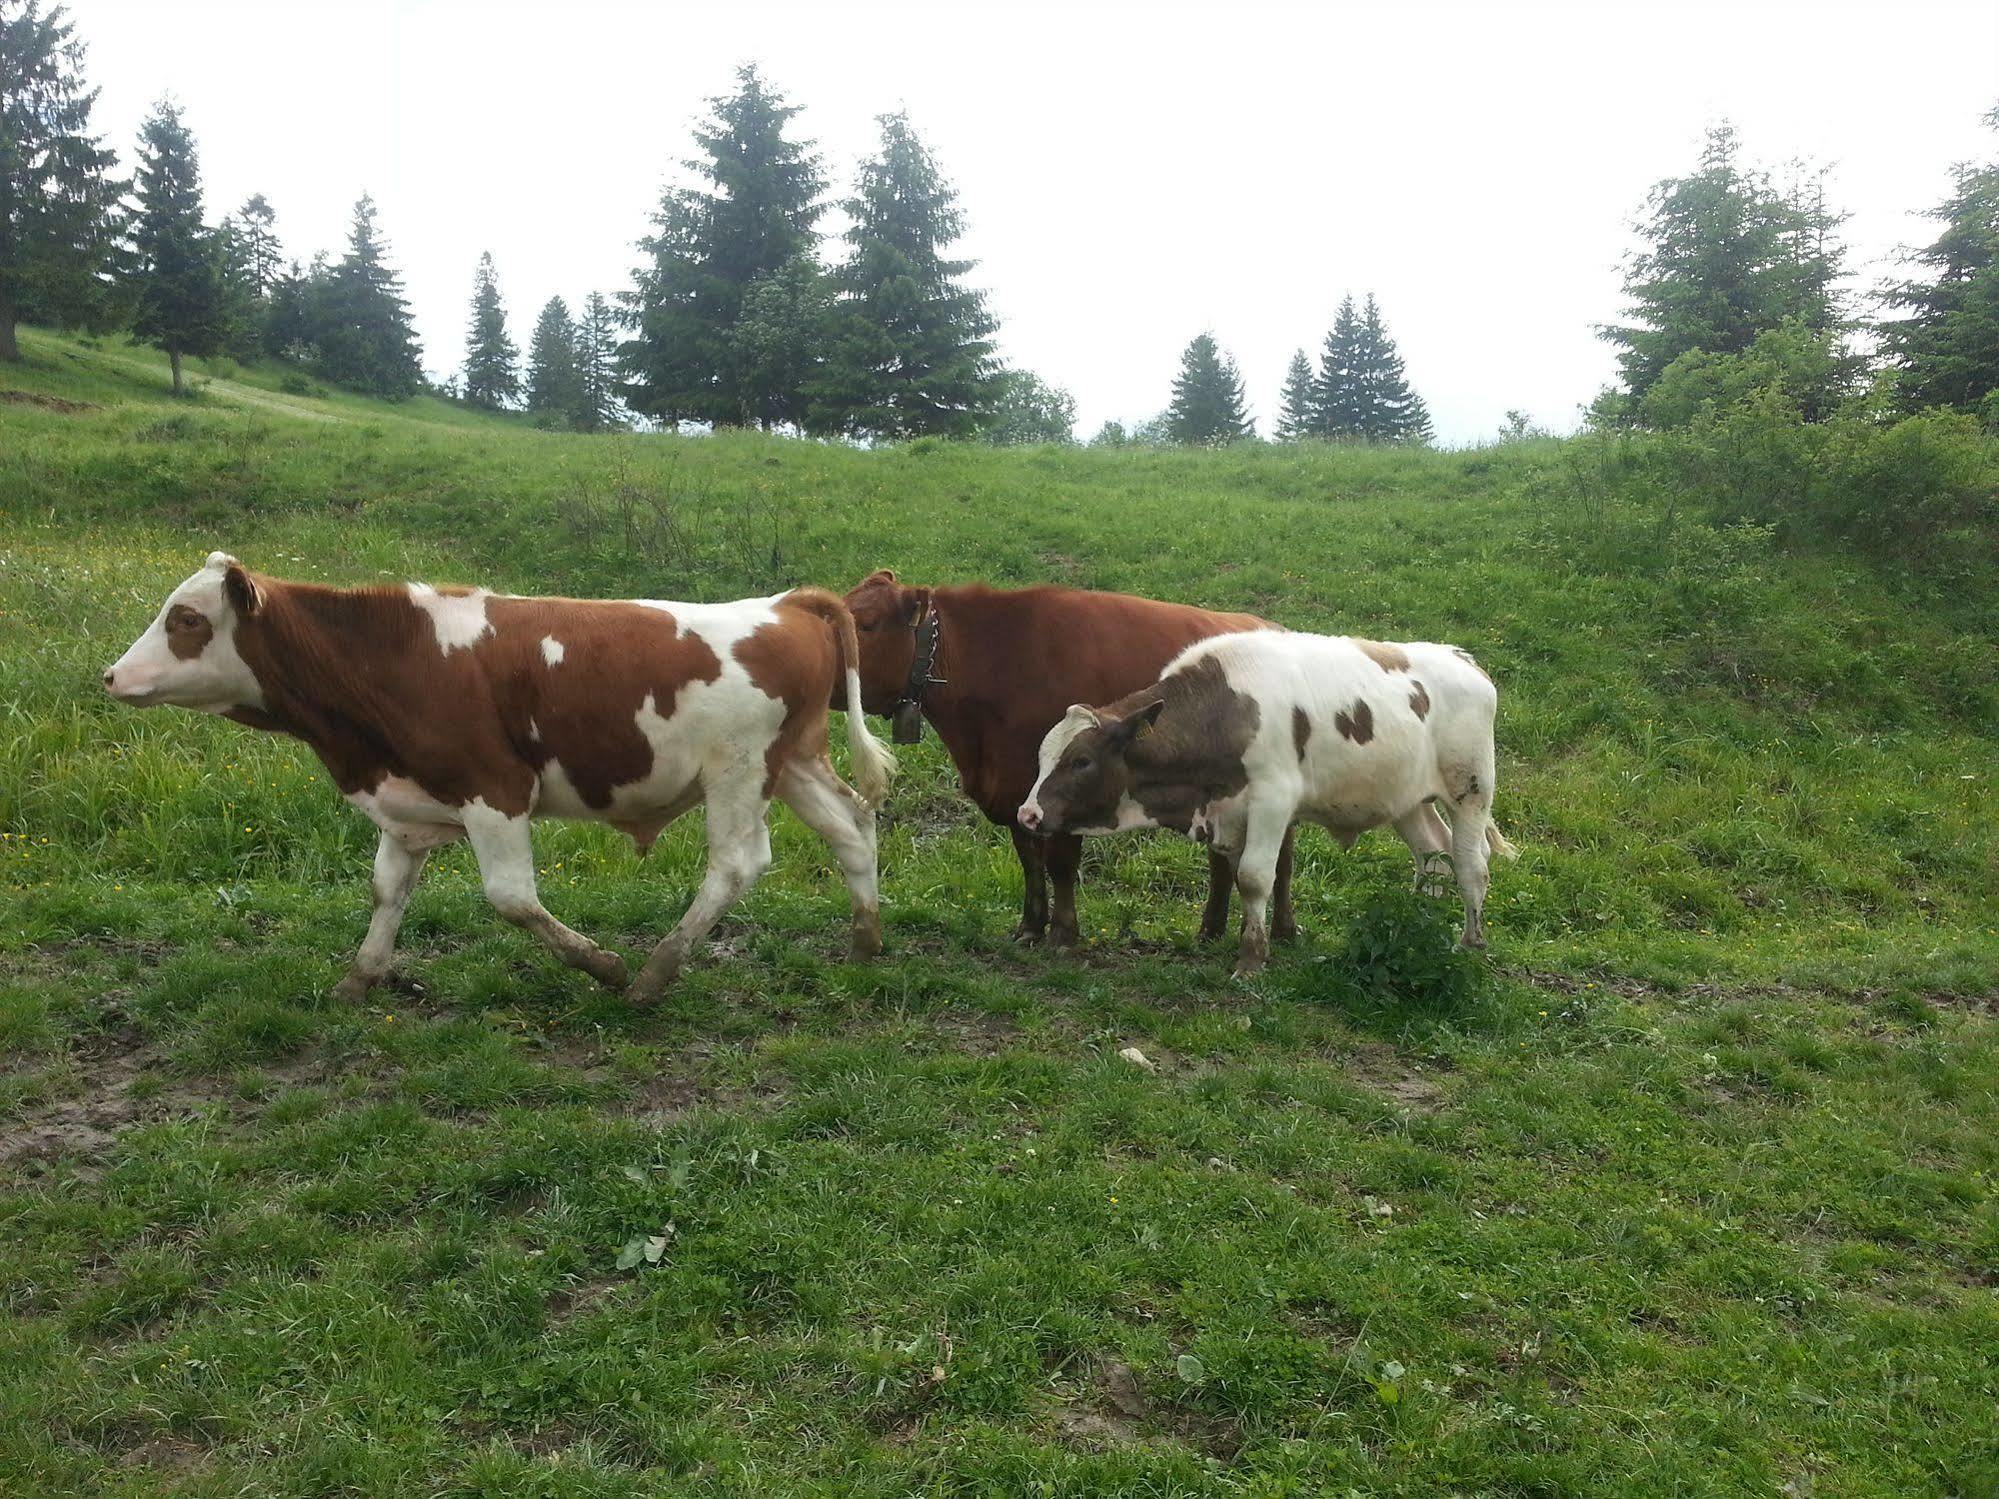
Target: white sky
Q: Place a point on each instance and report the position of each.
(1132, 174)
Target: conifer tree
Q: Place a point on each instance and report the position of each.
(256, 227)
(181, 304)
(1295, 406)
(243, 310)
(713, 243)
(59, 216)
(1389, 411)
(554, 387)
(1726, 257)
(596, 366)
(911, 350)
(1208, 405)
(492, 379)
(1945, 352)
(1336, 407)
(362, 325)
(774, 349)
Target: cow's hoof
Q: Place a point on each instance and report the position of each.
(352, 989)
(1472, 943)
(608, 969)
(1248, 968)
(1027, 933)
(1208, 933)
(1284, 932)
(1060, 938)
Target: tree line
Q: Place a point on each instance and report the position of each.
(738, 317)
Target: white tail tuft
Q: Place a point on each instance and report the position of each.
(1497, 842)
(874, 766)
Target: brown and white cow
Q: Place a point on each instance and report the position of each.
(446, 713)
(993, 670)
(1243, 735)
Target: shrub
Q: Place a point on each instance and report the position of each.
(1401, 951)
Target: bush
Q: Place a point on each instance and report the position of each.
(1400, 952)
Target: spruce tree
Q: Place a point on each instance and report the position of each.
(554, 386)
(596, 366)
(243, 309)
(911, 350)
(492, 379)
(256, 226)
(1726, 257)
(1945, 352)
(362, 325)
(1208, 405)
(181, 304)
(59, 216)
(1389, 411)
(1336, 405)
(713, 244)
(1295, 406)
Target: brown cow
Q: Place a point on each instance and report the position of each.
(993, 670)
(457, 713)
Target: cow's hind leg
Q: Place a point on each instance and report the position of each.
(832, 809)
(396, 869)
(1427, 835)
(738, 853)
(1469, 820)
(1065, 857)
(1033, 855)
(505, 849)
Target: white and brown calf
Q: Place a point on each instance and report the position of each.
(446, 713)
(1245, 734)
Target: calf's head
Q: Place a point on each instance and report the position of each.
(188, 657)
(1085, 770)
(885, 617)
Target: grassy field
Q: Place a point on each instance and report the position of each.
(1688, 1188)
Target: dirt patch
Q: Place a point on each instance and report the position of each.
(165, 1455)
(584, 1296)
(1382, 1068)
(114, 1067)
(47, 403)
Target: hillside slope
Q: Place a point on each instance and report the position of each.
(1687, 1188)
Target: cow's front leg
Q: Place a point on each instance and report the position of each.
(1065, 857)
(738, 853)
(1256, 878)
(1033, 855)
(1221, 879)
(1284, 921)
(397, 867)
(505, 849)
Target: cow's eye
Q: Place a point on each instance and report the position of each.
(1081, 762)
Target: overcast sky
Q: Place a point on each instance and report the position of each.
(1132, 174)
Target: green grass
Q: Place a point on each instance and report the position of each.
(1687, 1189)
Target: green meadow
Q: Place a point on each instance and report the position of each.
(1687, 1187)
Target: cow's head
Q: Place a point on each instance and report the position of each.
(885, 616)
(1084, 772)
(188, 655)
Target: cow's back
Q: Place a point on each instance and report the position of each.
(1026, 655)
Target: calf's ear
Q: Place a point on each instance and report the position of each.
(1138, 721)
(241, 589)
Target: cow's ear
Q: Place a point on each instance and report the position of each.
(915, 603)
(241, 589)
(1138, 722)
(879, 575)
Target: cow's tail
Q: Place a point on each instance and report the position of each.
(874, 765)
(1498, 843)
